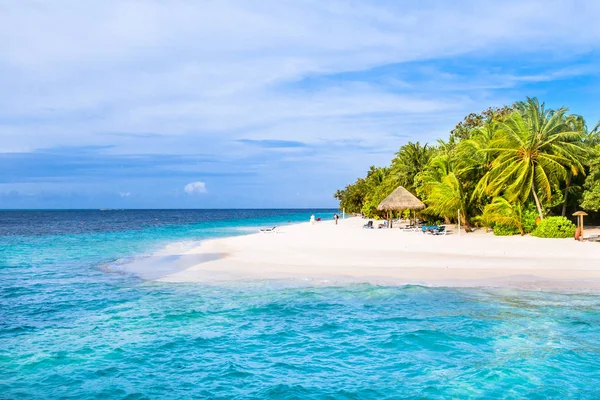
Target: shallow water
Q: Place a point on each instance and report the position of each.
(70, 329)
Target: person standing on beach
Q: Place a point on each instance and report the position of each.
(312, 219)
(336, 217)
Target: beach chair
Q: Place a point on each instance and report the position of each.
(368, 225)
(441, 230)
(429, 228)
(268, 230)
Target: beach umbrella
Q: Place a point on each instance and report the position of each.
(580, 215)
(400, 199)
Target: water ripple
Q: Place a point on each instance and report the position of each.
(71, 330)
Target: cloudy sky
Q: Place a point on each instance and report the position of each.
(261, 103)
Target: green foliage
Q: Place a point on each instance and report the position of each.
(502, 168)
(509, 219)
(528, 218)
(591, 194)
(465, 128)
(555, 227)
(364, 190)
(436, 170)
(504, 217)
(533, 150)
(505, 230)
(411, 159)
(446, 197)
(352, 197)
(369, 209)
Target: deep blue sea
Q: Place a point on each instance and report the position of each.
(72, 327)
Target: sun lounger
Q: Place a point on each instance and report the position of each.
(435, 229)
(440, 231)
(429, 228)
(266, 230)
(368, 225)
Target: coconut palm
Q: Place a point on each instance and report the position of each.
(441, 163)
(474, 161)
(447, 198)
(410, 160)
(437, 168)
(501, 212)
(533, 150)
(573, 185)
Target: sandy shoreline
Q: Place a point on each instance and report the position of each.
(328, 254)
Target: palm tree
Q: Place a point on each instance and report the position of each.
(577, 124)
(437, 168)
(447, 198)
(532, 150)
(500, 211)
(411, 159)
(474, 159)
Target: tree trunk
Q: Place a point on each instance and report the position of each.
(465, 223)
(564, 207)
(537, 201)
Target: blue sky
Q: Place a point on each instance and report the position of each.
(271, 103)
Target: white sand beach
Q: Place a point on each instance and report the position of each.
(329, 254)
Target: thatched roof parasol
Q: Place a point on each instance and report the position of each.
(401, 199)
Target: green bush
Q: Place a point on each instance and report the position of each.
(505, 230)
(369, 210)
(529, 216)
(555, 227)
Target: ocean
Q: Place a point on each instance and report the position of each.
(75, 325)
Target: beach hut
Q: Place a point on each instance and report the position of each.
(580, 215)
(400, 199)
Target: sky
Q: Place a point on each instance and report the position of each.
(261, 103)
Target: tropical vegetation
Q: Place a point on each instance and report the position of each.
(505, 168)
(555, 227)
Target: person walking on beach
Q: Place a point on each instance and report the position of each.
(312, 219)
(336, 217)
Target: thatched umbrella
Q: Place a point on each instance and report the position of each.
(400, 199)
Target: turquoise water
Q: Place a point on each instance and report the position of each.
(71, 329)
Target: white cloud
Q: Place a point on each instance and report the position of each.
(216, 64)
(195, 187)
(124, 194)
(206, 74)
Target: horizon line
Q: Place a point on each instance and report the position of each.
(165, 209)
